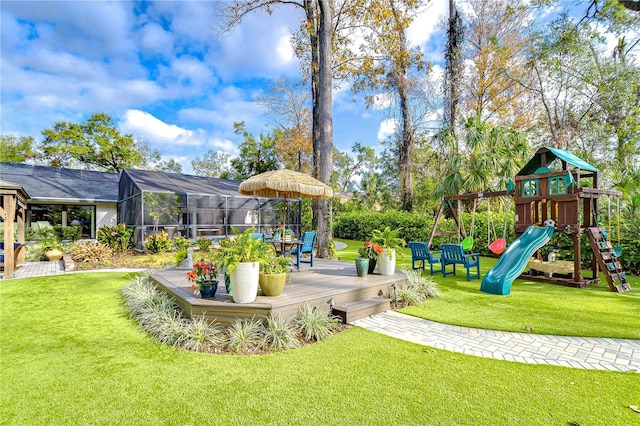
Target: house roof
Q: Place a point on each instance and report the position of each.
(52, 184)
(552, 153)
(148, 181)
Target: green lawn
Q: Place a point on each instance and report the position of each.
(542, 308)
(69, 355)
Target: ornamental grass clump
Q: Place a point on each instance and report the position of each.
(245, 336)
(280, 333)
(202, 336)
(161, 317)
(315, 324)
(139, 294)
(415, 290)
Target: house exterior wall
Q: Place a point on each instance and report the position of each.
(106, 214)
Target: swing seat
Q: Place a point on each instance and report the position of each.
(498, 246)
(467, 243)
(617, 251)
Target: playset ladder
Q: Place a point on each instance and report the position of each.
(604, 254)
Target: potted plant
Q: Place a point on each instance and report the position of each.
(203, 278)
(278, 234)
(241, 257)
(53, 249)
(274, 272)
(370, 251)
(288, 233)
(390, 241)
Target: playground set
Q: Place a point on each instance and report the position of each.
(547, 201)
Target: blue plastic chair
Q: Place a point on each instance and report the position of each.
(308, 241)
(258, 236)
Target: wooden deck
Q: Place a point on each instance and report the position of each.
(326, 280)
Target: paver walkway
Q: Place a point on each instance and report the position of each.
(567, 351)
(44, 269)
(38, 269)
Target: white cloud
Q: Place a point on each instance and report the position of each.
(155, 39)
(154, 131)
(387, 128)
(382, 101)
(426, 24)
(284, 49)
(224, 145)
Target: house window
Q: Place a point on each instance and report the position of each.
(557, 186)
(43, 215)
(530, 188)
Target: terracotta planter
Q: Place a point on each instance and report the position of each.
(53, 255)
(272, 284)
(387, 262)
(244, 282)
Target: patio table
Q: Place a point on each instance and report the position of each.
(283, 247)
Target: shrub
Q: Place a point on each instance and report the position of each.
(315, 324)
(88, 251)
(417, 227)
(181, 255)
(181, 243)
(204, 243)
(280, 333)
(118, 237)
(68, 233)
(158, 243)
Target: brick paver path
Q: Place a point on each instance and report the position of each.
(567, 351)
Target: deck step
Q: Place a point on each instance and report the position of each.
(353, 311)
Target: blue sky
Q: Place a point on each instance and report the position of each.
(160, 70)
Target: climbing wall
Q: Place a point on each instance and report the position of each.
(605, 255)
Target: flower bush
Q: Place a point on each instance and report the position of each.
(370, 250)
(201, 273)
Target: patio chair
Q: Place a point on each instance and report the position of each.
(258, 236)
(308, 241)
(420, 253)
(16, 251)
(453, 254)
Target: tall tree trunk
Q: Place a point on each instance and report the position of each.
(406, 145)
(323, 125)
(401, 83)
(453, 64)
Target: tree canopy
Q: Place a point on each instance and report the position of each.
(95, 143)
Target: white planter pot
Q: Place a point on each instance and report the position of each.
(244, 282)
(387, 262)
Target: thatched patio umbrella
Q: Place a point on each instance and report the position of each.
(285, 184)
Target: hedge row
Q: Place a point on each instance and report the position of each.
(417, 227)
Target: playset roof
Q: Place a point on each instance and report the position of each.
(552, 153)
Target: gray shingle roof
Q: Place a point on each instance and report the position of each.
(53, 184)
